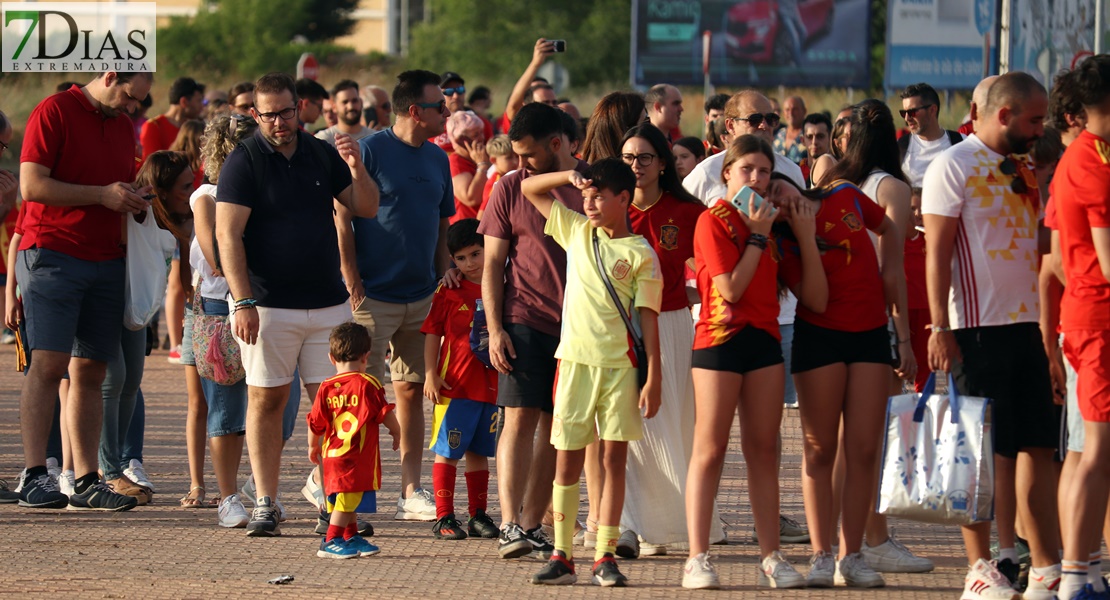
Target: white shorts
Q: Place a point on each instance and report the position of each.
(289, 339)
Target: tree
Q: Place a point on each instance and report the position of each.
(329, 19)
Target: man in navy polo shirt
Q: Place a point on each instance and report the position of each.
(280, 255)
(401, 254)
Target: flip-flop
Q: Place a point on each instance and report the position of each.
(189, 501)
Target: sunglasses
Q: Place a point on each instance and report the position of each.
(756, 119)
(913, 111)
(442, 104)
(451, 91)
(1009, 167)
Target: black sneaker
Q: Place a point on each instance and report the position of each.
(606, 573)
(365, 529)
(41, 492)
(448, 528)
(1010, 569)
(558, 571)
(480, 525)
(264, 519)
(7, 496)
(541, 544)
(512, 543)
(99, 496)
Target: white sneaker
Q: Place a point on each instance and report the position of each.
(66, 482)
(248, 492)
(853, 571)
(312, 490)
(775, 572)
(1043, 587)
(648, 549)
(699, 574)
(232, 513)
(419, 507)
(135, 472)
(822, 566)
(280, 509)
(53, 469)
(22, 476)
(892, 557)
(984, 582)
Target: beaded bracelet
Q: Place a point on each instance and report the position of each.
(245, 303)
(758, 240)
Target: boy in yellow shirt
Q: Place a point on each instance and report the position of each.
(597, 377)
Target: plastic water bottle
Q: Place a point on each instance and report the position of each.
(479, 334)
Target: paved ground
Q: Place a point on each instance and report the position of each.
(163, 551)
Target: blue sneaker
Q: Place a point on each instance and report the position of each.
(1088, 593)
(337, 548)
(363, 547)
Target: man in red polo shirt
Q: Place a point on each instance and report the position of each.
(186, 102)
(78, 159)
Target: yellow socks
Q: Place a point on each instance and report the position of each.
(607, 536)
(564, 502)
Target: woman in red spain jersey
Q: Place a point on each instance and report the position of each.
(665, 214)
(737, 359)
(841, 364)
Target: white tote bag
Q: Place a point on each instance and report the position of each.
(149, 252)
(938, 457)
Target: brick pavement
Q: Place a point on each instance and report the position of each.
(163, 551)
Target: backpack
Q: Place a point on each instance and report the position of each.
(954, 137)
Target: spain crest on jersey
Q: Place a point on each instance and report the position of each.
(454, 438)
(621, 269)
(668, 237)
(852, 221)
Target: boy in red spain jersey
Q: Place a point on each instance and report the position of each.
(343, 440)
(463, 389)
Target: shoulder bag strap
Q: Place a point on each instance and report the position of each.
(613, 293)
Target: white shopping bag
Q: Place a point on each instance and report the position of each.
(938, 457)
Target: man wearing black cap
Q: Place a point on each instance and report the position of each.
(454, 93)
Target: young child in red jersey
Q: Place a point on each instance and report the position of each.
(504, 160)
(463, 389)
(343, 440)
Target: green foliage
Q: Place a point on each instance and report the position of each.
(246, 37)
(493, 39)
(329, 19)
(878, 43)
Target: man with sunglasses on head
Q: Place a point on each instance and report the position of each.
(981, 204)
(401, 255)
(279, 251)
(747, 112)
(926, 140)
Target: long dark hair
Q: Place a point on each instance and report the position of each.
(615, 114)
(668, 180)
(873, 145)
(160, 171)
(782, 229)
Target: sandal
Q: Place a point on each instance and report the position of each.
(197, 501)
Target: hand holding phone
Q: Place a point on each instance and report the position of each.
(747, 201)
(760, 213)
(559, 45)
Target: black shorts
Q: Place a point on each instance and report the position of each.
(816, 347)
(1007, 364)
(531, 383)
(749, 350)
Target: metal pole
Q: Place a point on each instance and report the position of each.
(1099, 28)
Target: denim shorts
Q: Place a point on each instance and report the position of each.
(227, 404)
(186, 350)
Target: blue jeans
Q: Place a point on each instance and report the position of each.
(787, 331)
(120, 391)
(133, 440)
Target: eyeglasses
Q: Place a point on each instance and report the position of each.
(756, 119)
(913, 111)
(451, 91)
(442, 104)
(286, 115)
(644, 159)
(1009, 167)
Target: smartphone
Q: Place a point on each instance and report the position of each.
(747, 201)
(149, 197)
(559, 45)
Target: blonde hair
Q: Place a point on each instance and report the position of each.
(500, 146)
(189, 140)
(222, 134)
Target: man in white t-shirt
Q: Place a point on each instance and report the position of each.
(747, 112)
(348, 111)
(981, 206)
(920, 107)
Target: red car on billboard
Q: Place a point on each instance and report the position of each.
(755, 30)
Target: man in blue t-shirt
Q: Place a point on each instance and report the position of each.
(280, 254)
(400, 255)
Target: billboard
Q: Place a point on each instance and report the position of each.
(754, 42)
(939, 42)
(1049, 35)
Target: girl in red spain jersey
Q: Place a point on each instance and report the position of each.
(665, 214)
(841, 364)
(737, 359)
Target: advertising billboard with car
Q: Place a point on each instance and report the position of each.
(753, 42)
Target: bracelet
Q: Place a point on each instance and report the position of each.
(939, 329)
(487, 164)
(245, 303)
(905, 341)
(758, 240)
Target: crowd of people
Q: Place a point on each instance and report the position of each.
(573, 294)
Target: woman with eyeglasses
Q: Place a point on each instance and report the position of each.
(665, 214)
(737, 359)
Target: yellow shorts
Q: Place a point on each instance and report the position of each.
(592, 399)
(352, 502)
